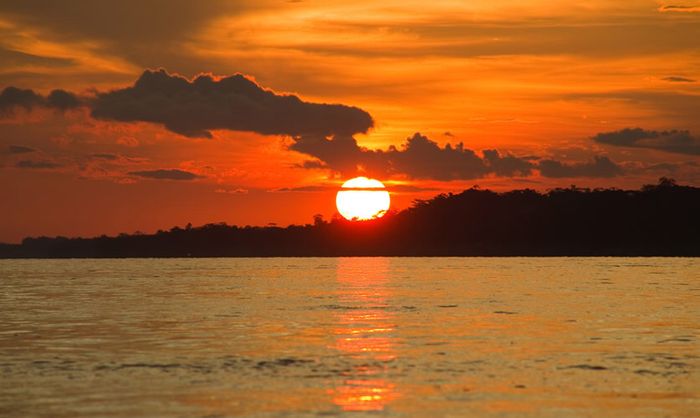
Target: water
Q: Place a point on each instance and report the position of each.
(482, 337)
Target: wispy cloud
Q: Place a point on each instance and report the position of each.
(678, 79)
(686, 7)
(37, 164)
(19, 149)
(238, 190)
(166, 174)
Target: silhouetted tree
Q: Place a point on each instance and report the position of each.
(318, 220)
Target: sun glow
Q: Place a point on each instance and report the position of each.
(360, 199)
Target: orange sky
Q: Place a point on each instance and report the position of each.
(535, 80)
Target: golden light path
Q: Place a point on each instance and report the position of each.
(366, 334)
(361, 199)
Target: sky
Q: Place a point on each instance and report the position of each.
(142, 115)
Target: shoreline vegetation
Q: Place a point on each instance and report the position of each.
(657, 220)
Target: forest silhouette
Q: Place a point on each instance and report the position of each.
(661, 219)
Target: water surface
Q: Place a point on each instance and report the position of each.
(482, 337)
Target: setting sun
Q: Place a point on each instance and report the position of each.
(361, 199)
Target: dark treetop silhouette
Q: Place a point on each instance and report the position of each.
(662, 219)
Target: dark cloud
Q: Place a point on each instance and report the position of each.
(166, 174)
(62, 100)
(13, 97)
(680, 142)
(36, 164)
(193, 108)
(103, 156)
(680, 8)
(312, 164)
(19, 149)
(421, 158)
(677, 79)
(306, 189)
(507, 165)
(418, 158)
(339, 153)
(599, 167)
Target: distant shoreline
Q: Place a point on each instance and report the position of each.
(657, 221)
(348, 256)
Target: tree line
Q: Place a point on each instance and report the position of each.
(661, 219)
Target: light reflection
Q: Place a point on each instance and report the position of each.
(365, 334)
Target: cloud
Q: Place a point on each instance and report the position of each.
(680, 8)
(165, 174)
(507, 165)
(238, 190)
(194, 108)
(30, 164)
(679, 142)
(600, 167)
(104, 156)
(13, 97)
(677, 79)
(421, 158)
(19, 149)
(62, 100)
(305, 189)
(340, 153)
(325, 132)
(418, 158)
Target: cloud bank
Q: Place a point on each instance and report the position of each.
(679, 142)
(325, 132)
(420, 158)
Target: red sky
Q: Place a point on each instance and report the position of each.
(604, 94)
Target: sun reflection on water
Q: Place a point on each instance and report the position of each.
(365, 334)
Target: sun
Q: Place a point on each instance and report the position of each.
(361, 199)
